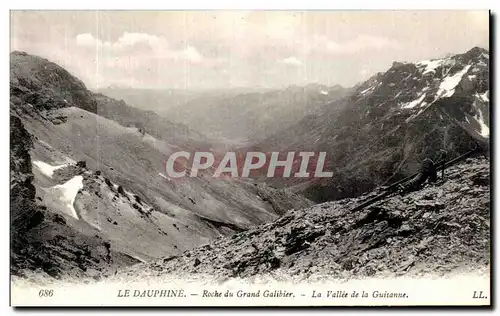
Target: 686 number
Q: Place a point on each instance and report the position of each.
(45, 293)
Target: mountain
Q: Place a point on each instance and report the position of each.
(250, 117)
(382, 131)
(41, 240)
(439, 230)
(88, 198)
(150, 122)
(157, 100)
(233, 116)
(87, 193)
(163, 100)
(47, 85)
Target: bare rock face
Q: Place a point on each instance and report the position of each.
(439, 229)
(22, 195)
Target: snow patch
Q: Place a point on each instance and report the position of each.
(397, 95)
(367, 90)
(138, 258)
(430, 65)
(413, 103)
(47, 169)
(483, 97)
(448, 85)
(68, 192)
(415, 115)
(95, 226)
(485, 130)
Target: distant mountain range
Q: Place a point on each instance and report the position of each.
(235, 116)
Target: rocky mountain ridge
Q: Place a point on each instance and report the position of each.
(392, 122)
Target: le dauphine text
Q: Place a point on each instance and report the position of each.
(267, 293)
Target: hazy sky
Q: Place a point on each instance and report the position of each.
(223, 49)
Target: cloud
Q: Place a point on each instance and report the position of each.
(291, 61)
(361, 43)
(140, 46)
(141, 59)
(190, 53)
(124, 41)
(131, 39)
(87, 40)
(224, 48)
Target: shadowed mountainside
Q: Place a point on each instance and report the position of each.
(392, 122)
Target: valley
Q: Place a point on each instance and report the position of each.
(90, 198)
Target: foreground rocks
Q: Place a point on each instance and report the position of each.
(437, 230)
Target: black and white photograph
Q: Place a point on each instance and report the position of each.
(176, 158)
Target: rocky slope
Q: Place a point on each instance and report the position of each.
(95, 177)
(42, 244)
(440, 229)
(392, 122)
(150, 122)
(46, 85)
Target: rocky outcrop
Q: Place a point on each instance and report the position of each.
(22, 191)
(46, 85)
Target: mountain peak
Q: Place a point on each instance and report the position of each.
(476, 52)
(18, 52)
(44, 84)
(399, 117)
